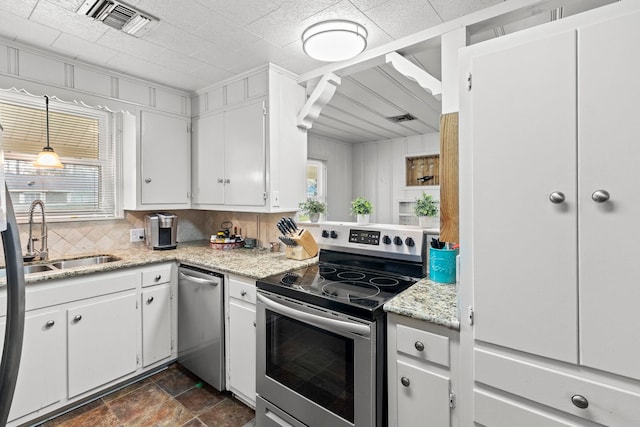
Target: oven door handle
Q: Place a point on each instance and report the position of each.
(320, 321)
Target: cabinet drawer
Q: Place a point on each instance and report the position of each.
(423, 345)
(607, 405)
(496, 411)
(242, 291)
(156, 275)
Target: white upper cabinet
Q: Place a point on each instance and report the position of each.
(248, 153)
(157, 169)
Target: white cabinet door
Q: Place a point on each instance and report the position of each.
(41, 379)
(156, 324)
(245, 155)
(423, 397)
(208, 160)
(524, 149)
(609, 159)
(242, 349)
(166, 159)
(101, 341)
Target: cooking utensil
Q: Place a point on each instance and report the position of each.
(287, 226)
(437, 244)
(293, 223)
(288, 241)
(281, 228)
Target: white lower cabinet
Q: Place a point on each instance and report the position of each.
(157, 342)
(41, 378)
(86, 334)
(240, 333)
(101, 342)
(422, 373)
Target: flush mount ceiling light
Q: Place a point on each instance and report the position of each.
(48, 158)
(334, 40)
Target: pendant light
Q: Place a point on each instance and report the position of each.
(334, 40)
(48, 158)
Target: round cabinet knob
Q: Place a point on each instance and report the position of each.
(409, 242)
(325, 234)
(556, 197)
(419, 346)
(600, 196)
(77, 318)
(158, 277)
(149, 300)
(334, 235)
(397, 241)
(386, 240)
(580, 401)
(243, 293)
(405, 381)
(147, 180)
(50, 323)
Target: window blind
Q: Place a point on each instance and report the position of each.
(82, 137)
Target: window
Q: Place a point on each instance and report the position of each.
(82, 137)
(315, 183)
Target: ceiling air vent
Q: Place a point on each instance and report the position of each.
(403, 118)
(116, 15)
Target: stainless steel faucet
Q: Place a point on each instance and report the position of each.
(44, 250)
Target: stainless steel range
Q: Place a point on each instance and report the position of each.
(321, 330)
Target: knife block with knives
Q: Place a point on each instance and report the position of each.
(300, 243)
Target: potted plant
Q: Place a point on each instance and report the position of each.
(426, 209)
(362, 208)
(313, 208)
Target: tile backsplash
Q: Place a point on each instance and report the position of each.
(82, 237)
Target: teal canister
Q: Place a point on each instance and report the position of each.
(442, 265)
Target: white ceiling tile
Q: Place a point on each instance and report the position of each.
(70, 5)
(83, 50)
(174, 60)
(220, 31)
(403, 17)
(174, 38)
(183, 14)
(365, 5)
(451, 9)
(19, 8)
(241, 12)
(50, 14)
(126, 43)
(26, 31)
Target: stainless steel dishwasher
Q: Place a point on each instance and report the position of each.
(201, 324)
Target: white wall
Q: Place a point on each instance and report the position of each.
(379, 173)
(338, 158)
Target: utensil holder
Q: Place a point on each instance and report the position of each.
(306, 240)
(442, 265)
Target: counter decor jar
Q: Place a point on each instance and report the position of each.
(442, 265)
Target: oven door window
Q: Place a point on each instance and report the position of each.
(313, 362)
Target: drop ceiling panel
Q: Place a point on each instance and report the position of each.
(56, 17)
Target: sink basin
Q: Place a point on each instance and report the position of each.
(28, 269)
(83, 262)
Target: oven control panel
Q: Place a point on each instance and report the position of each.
(365, 237)
(397, 241)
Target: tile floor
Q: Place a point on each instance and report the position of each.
(173, 397)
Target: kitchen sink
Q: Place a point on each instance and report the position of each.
(83, 262)
(28, 269)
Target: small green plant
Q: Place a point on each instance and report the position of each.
(361, 206)
(426, 206)
(311, 206)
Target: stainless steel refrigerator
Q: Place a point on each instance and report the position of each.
(14, 329)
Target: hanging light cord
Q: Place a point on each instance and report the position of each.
(46, 97)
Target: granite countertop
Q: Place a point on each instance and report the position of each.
(429, 301)
(424, 301)
(252, 263)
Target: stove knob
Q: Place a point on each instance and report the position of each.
(325, 233)
(409, 242)
(386, 240)
(334, 235)
(397, 241)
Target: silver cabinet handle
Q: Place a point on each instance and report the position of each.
(419, 346)
(158, 277)
(147, 180)
(227, 181)
(198, 280)
(149, 300)
(556, 197)
(50, 323)
(77, 318)
(220, 181)
(600, 196)
(243, 293)
(405, 381)
(580, 401)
